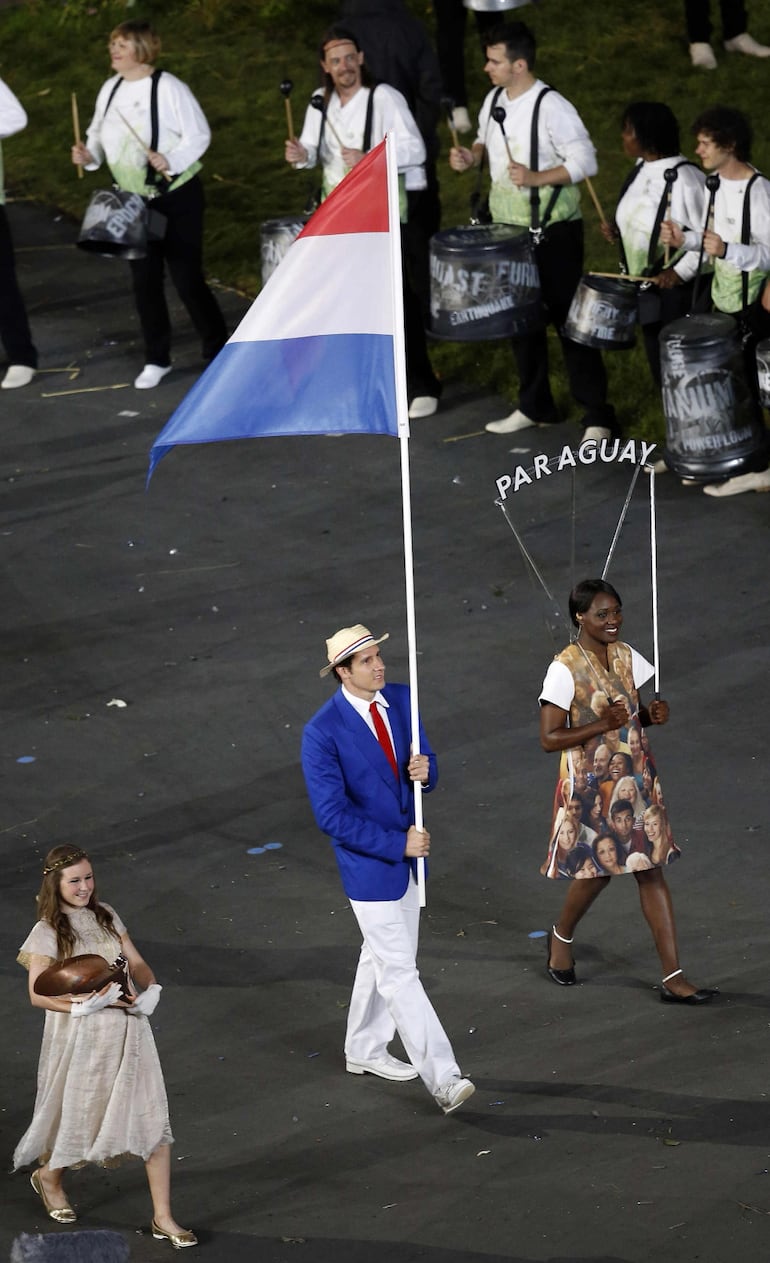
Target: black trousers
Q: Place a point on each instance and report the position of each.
(181, 250)
(559, 259)
(696, 13)
(451, 16)
(14, 326)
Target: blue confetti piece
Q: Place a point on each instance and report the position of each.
(538, 934)
(27, 758)
(273, 846)
(256, 850)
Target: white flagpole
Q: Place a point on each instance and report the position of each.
(402, 417)
(654, 557)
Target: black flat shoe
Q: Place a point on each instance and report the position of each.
(704, 996)
(562, 977)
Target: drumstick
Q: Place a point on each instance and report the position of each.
(166, 174)
(317, 103)
(595, 200)
(669, 176)
(448, 105)
(76, 129)
(498, 114)
(621, 276)
(285, 87)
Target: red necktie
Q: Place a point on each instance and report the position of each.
(383, 737)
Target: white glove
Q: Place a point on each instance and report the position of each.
(147, 1002)
(96, 1002)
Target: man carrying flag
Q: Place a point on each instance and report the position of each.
(358, 769)
(353, 119)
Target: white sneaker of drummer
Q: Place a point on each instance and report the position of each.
(744, 482)
(510, 424)
(151, 376)
(745, 43)
(17, 375)
(702, 56)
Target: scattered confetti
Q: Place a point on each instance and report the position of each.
(118, 701)
(27, 758)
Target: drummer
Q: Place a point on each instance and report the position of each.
(354, 117)
(539, 191)
(662, 183)
(135, 104)
(738, 242)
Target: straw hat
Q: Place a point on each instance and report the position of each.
(347, 641)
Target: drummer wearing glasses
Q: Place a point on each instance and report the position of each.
(538, 151)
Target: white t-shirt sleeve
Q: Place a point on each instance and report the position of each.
(558, 686)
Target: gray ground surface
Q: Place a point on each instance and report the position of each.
(606, 1127)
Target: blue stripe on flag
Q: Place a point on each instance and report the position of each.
(330, 384)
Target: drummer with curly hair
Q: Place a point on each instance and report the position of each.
(100, 1091)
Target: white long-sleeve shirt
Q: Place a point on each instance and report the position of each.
(562, 140)
(183, 133)
(13, 119)
(637, 209)
(390, 112)
(754, 258)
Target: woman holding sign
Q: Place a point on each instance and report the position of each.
(599, 660)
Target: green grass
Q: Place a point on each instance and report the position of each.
(234, 53)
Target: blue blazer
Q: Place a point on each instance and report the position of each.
(356, 798)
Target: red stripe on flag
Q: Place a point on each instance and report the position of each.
(359, 203)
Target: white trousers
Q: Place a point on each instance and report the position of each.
(387, 993)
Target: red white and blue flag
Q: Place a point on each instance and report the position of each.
(320, 351)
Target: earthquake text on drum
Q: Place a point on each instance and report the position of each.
(505, 303)
(608, 450)
(459, 283)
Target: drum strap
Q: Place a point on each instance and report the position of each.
(653, 265)
(367, 143)
(746, 237)
(536, 226)
(479, 213)
(153, 176)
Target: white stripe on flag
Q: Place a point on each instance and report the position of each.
(325, 285)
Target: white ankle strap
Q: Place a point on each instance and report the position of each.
(569, 940)
(675, 974)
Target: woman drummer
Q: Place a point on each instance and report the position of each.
(133, 106)
(663, 184)
(598, 656)
(100, 1091)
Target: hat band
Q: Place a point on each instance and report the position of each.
(357, 644)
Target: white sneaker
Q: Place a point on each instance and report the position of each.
(17, 375)
(596, 433)
(422, 406)
(702, 56)
(453, 1094)
(384, 1066)
(746, 43)
(509, 425)
(150, 376)
(744, 482)
(461, 119)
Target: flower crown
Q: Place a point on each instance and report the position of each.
(64, 862)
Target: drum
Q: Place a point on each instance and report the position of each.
(603, 314)
(714, 426)
(763, 371)
(275, 237)
(115, 224)
(484, 283)
(494, 6)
